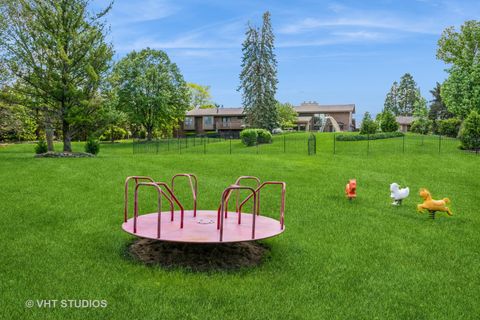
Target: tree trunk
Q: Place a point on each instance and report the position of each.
(149, 134)
(67, 143)
(49, 135)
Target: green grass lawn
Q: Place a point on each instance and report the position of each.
(61, 235)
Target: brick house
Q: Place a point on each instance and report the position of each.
(230, 121)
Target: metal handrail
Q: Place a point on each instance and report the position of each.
(237, 182)
(126, 192)
(282, 205)
(159, 214)
(220, 216)
(174, 198)
(193, 186)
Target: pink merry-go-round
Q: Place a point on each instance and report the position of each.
(202, 226)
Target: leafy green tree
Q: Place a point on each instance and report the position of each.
(151, 90)
(470, 131)
(421, 124)
(388, 122)
(258, 78)
(460, 49)
(286, 115)
(369, 126)
(200, 97)
(449, 127)
(57, 52)
(16, 123)
(391, 101)
(408, 94)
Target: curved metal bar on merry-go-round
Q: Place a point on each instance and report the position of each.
(201, 226)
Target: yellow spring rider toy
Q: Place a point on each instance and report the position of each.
(432, 205)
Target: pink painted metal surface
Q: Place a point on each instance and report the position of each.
(237, 193)
(257, 191)
(193, 186)
(203, 228)
(207, 226)
(125, 210)
(173, 198)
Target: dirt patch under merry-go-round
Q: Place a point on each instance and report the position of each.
(199, 257)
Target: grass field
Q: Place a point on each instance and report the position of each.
(61, 236)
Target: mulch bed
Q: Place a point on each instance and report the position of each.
(64, 155)
(199, 257)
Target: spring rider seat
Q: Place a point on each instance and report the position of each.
(432, 206)
(351, 189)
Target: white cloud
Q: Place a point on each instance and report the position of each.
(126, 12)
(312, 24)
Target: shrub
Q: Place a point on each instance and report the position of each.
(376, 136)
(114, 133)
(421, 126)
(92, 146)
(449, 127)
(470, 132)
(368, 125)
(41, 146)
(263, 136)
(249, 137)
(388, 123)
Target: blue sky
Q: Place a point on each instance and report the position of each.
(327, 51)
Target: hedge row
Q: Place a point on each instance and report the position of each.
(375, 136)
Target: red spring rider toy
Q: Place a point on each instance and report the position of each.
(351, 189)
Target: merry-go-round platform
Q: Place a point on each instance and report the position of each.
(202, 226)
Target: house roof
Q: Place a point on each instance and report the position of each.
(312, 107)
(315, 107)
(216, 112)
(405, 120)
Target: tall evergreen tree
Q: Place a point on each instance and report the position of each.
(391, 101)
(408, 94)
(57, 53)
(438, 109)
(258, 79)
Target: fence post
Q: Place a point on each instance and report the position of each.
(179, 145)
(368, 144)
(284, 143)
(403, 146)
(204, 146)
(158, 141)
(186, 142)
(334, 143)
(230, 144)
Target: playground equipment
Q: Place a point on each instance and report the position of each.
(432, 205)
(398, 194)
(202, 226)
(324, 119)
(351, 189)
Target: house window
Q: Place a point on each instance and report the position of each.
(188, 122)
(208, 121)
(225, 121)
